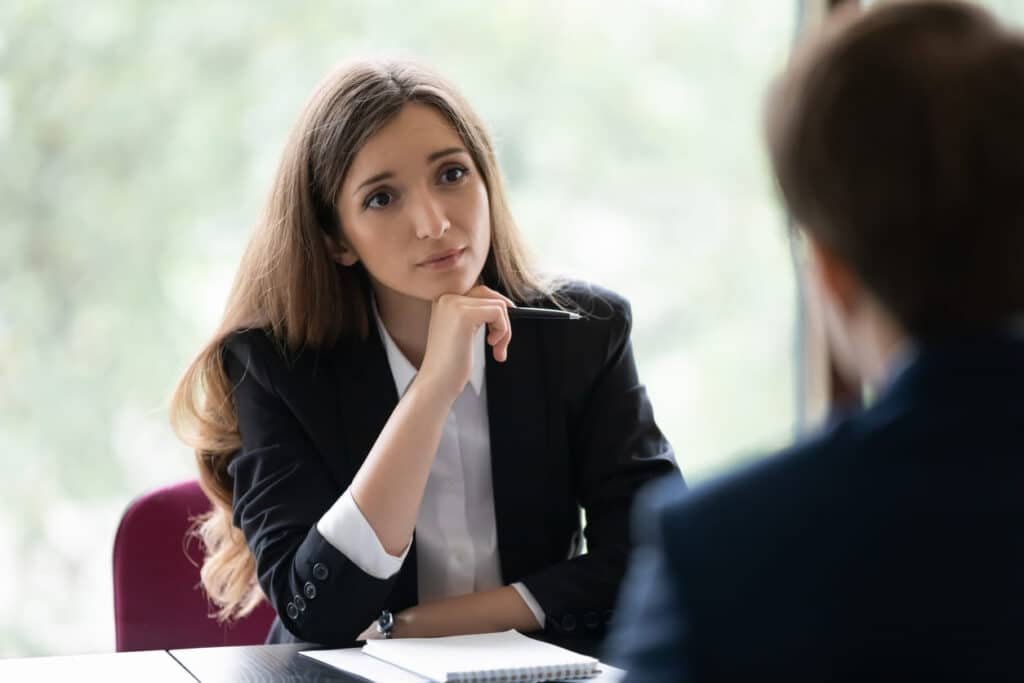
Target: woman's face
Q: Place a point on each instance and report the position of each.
(414, 209)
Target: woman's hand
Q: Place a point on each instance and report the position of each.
(454, 321)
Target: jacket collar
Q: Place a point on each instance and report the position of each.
(979, 365)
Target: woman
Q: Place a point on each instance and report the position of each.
(349, 397)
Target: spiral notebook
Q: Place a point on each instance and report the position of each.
(503, 657)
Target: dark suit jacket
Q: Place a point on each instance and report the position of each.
(570, 426)
(890, 545)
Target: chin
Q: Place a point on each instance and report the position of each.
(452, 285)
(433, 290)
(457, 281)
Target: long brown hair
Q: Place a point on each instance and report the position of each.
(288, 284)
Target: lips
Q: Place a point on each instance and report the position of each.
(440, 257)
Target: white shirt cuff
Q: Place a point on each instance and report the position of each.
(345, 527)
(531, 602)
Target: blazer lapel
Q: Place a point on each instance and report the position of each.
(517, 408)
(367, 397)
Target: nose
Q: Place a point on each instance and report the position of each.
(429, 218)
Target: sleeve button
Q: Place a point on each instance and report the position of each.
(568, 623)
(320, 572)
(292, 610)
(591, 620)
(300, 603)
(310, 590)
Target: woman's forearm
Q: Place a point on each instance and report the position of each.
(389, 486)
(485, 612)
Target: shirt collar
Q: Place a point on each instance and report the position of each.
(403, 372)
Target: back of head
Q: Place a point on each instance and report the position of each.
(897, 137)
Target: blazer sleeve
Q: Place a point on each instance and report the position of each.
(616, 448)
(282, 488)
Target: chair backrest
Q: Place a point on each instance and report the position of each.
(159, 602)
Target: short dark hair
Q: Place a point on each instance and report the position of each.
(897, 139)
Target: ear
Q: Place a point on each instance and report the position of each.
(340, 251)
(837, 281)
(841, 308)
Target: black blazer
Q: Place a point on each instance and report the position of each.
(891, 546)
(570, 426)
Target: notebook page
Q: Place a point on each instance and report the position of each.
(442, 659)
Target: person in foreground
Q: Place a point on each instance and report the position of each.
(890, 544)
(382, 442)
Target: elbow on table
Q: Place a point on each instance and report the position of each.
(323, 624)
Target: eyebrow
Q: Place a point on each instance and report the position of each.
(444, 152)
(433, 156)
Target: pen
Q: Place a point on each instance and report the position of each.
(525, 313)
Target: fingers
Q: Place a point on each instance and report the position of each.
(485, 292)
(484, 306)
(500, 336)
(494, 314)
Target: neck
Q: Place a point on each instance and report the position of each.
(883, 347)
(892, 355)
(407, 320)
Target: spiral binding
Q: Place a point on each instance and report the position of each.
(525, 674)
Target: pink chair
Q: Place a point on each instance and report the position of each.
(159, 603)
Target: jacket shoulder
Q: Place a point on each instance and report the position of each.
(592, 301)
(790, 489)
(250, 352)
(601, 335)
(257, 353)
(251, 342)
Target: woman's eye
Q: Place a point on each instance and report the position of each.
(378, 200)
(453, 174)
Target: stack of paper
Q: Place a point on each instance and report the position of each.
(505, 657)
